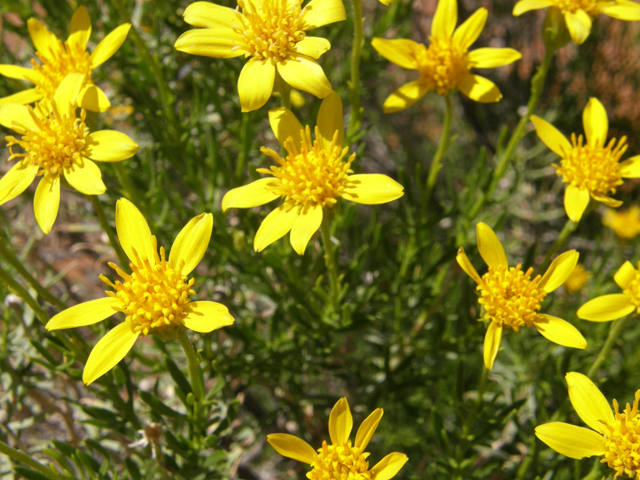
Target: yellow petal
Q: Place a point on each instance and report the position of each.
(372, 189)
(625, 274)
(606, 308)
(367, 429)
(608, 201)
(46, 201)
(589, 402)
(405, 97)
(23, 98)
(191, 243)
(108, 352)
(133, 232)
(389, 466)
(17, 117)
(559, 271)
(470, 30)
(251, 195)
(527, 5)
(630, 168)
(68, 90)
(322, 12)
(275, 225)
(92, 98)
(493, 57)
(110, 146)
(479, 88)
(307, 223)
(292, 447)
(330, 120)
(80, 29)
(340, 422)
(109, 45)
(399, 51)
(490, 247)
(85, 177)
(571, 441)
(305, 74)
(576, 201)
(42, 38)
(205, 317)
(466, 266)
(84, 314)
(559, 331)
(255, 84)
(16, 181)
(622, 10)
(284, 124)
(207, 14)
(579, 25)
(445, 19)
(595, 122)
(19, 73)
(492, 344)
(218, 42)
(313, 47)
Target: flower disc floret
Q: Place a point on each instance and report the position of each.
(511, 297)
(340, 462)
(60, 61)
(442, 65)
(153, 296)
(622, 440)
(588, 6)
(593, 167)
(271, 29)
(310, 174)
(632, 290)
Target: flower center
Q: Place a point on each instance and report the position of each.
(622, 440)
(593, 167)
(58, 142)
(153, 296)
(589, 6)
(625, 224)
(271, 28)
(510, 297)
(340, 462)
(60, 61)
(633, 290)
(442, 65)
(313, 174)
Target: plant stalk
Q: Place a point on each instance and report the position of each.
(355, 121)
(330, 262)
(195, 375)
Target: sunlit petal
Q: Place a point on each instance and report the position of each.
(85, 176)
(83, 314)
(372, 189)
(109, 351)
(255, 84)
(559, 331)
(292, 447)
(589, 402)
(305, 74)
(133, 232)
(406, 96)
(275, 225)
(576, 201)
(46, 201)
(571, 441)
(205, 317)
(490, 248)
(559, 271)
(492, 343)
(307, 223)
(606, 308)
(340, 422)
(330, 120)
(595, 122)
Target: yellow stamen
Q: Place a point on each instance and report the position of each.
(442, 65)
(589, 6)
(340, 462)
(622, 441)
(633, 290)
(60, 61)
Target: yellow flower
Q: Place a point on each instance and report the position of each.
(273, 33)
(578, 278)
(156, 297)
(57, 60)
(625, 224)
(511, 298)
(615, 435)
(578, 14)
(54, 142)
(612, 307)
(312, 176)
(590, 168)
(340, 460)
(445, 65)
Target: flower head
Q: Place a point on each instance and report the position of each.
(579, 14)
(444, 65)
(625, 224)
(312, 176)
(613, 434)
(274, 34)
(590, 168)
(512, 299)
(58, 59)
(578, 278)
(155, 297)
(54, 142)
(612, 307)
(341, 460)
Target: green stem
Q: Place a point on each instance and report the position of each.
(355, 121)
(436, 164)
(195, 375)
(537, 85)
(330, 262)
(567, 230)
(614, 332)
(104, 223)
(25, 459)
(8, 255)
(246, 146)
